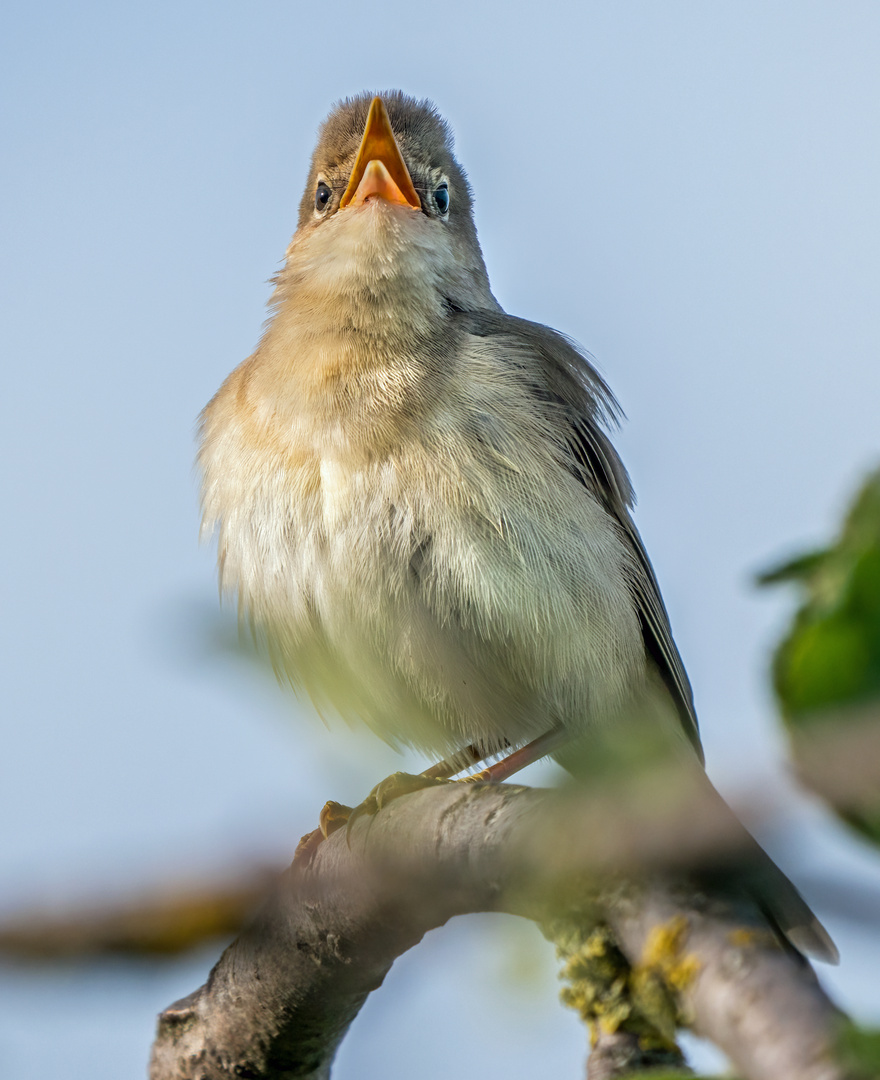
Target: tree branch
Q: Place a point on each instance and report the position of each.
(280, 999)
(758, 1001)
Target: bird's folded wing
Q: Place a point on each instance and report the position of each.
(569, 382)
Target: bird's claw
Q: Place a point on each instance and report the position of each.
(392, 787)
(335, 815)
(332, 817)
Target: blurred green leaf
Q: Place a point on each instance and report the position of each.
(828, 665)
(797, 569)
(860, 1052)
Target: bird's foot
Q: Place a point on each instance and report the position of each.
(335, 815)
(392, 787)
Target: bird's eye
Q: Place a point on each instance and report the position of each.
(323, 195)
(441, 198)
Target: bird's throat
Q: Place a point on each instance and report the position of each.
(364, 288)
(351, 354)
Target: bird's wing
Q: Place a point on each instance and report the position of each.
(571, 383)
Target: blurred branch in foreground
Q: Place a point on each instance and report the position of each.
(280, 999)
(161, 922)
(656, 820)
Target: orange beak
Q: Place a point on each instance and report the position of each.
(379, 169)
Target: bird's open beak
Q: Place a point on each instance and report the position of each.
(379, 169)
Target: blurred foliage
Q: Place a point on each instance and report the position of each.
(831, 655)
(826, 674)
(860, 1052)
(826, 670)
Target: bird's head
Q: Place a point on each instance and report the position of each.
(386, 204)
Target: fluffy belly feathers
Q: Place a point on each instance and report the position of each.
(426, 592)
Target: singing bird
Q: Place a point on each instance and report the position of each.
(416, 499)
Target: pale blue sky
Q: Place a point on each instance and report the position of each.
(689, 189)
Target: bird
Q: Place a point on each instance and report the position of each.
(417, 503)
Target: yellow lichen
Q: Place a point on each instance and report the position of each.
(610, 996)
(598, 974)
(664, 953)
